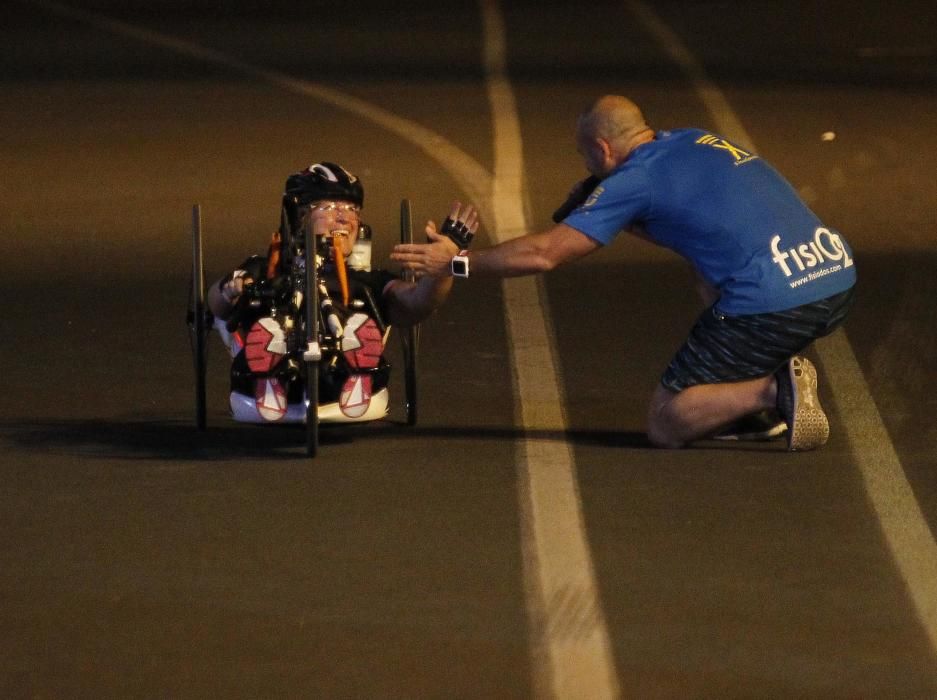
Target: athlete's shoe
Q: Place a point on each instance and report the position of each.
(265, 345)
(270, 399)
(799, 405)
(761, 426)
(362, 342)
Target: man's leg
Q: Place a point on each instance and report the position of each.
(676, 418)
(721, 348)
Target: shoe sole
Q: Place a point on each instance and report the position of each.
(810, 427)
(775, 431)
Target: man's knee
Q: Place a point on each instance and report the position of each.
(660, 426)
(661, 434)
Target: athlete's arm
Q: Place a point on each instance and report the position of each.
(411, 302)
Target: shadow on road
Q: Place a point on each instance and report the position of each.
(179, 440)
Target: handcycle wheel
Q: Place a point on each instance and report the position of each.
(410, 337)
(312, 355)
(198, 318)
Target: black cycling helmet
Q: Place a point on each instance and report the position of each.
(318, 181)
(323, 181)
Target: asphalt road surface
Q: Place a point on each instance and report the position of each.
(523, 540)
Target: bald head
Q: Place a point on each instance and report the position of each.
(613, 118)
(608, 131)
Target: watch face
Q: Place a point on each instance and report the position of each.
(459, 267)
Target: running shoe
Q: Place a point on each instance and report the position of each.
(270, 399)
(362, 342)
(755, 427)
(799, 405)
(265, 345)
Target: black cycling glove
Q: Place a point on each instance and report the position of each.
(458, 232)
(579, 194)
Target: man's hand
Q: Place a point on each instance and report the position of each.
(432, 258)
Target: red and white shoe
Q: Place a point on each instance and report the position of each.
(355, 398)
(270, 399)
(265, 345)
(362, 342)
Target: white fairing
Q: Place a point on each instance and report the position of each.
(244, 409)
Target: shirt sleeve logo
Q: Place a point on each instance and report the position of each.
(739, 155)
(594, 197)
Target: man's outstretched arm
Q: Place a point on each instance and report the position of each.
(530, 254)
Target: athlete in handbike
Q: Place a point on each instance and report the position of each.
(256, 307)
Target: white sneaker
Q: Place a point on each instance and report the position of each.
(799, 405)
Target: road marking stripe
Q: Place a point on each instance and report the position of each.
(570, 641)
(572, 656)
(709, 93)
(903, 524)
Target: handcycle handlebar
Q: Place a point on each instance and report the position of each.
(253, 295)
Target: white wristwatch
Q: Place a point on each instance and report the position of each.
(459, 265)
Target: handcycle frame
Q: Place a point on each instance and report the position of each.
(317, 346)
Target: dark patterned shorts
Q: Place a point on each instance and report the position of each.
(724, 348)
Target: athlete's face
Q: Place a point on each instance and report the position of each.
(335, 218)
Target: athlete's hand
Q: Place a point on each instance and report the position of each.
(432, 258)
(233, 288)
(460, 225)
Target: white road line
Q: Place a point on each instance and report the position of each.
(572, 653)
(906, 530)
(571, 648)
(903, 524)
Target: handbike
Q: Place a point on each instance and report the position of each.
(314, 337)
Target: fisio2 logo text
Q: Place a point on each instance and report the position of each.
(825, 245)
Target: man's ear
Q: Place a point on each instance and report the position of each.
(608, 153)
(605, 147)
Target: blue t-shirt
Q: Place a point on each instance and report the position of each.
(729, 213)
